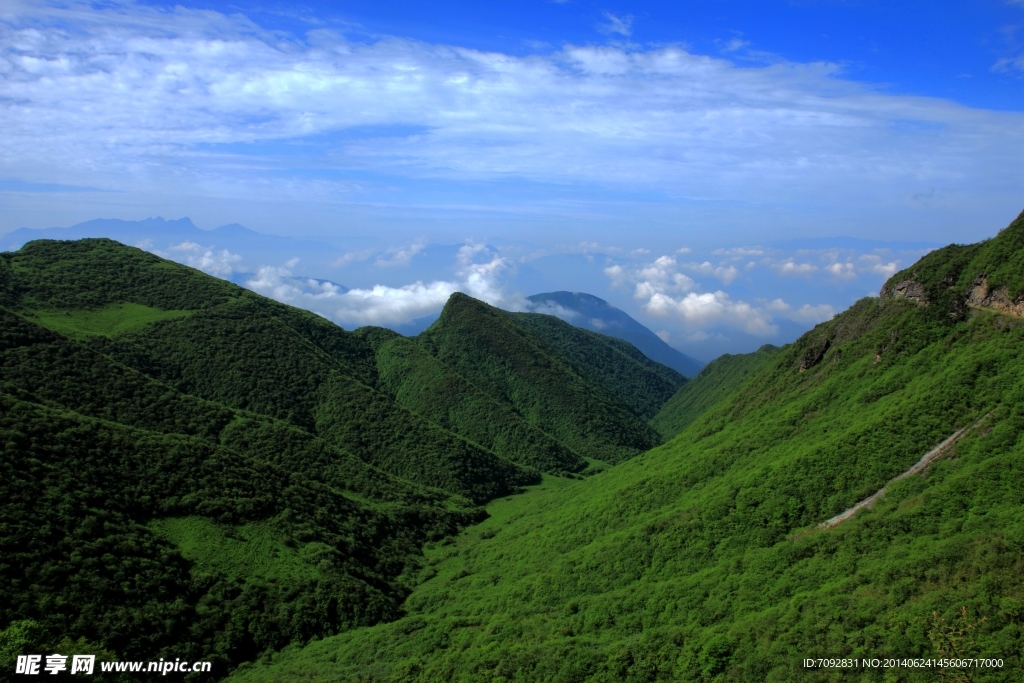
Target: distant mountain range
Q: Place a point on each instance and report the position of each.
(591, 313)
(165, 237)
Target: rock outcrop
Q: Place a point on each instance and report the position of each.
(907, 289)
(983, 296)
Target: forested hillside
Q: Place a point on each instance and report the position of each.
(704, 559)
(517, 367)
(617, 366)
(192, 470)
(716, 381)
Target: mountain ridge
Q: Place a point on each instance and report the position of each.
(597, 315)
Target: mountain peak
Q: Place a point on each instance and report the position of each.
(597, 315)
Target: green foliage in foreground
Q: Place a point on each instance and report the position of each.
(616, 365)
(715, 382)
(699, 560)
(515, 366)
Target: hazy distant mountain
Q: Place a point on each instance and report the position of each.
(170, 236)
(591, 313)
(414, 326)
(126, 232)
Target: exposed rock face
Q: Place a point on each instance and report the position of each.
(908, 289)
(998, 299)
(813, 355)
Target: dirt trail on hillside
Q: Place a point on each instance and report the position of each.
(921, 465)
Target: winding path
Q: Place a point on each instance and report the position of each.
(921, 465)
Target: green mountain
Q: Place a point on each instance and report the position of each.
(716, 381)
(719, 555)
(507, 360)
(597, 315)
(192, 470)
(617, 366)
(421, 383)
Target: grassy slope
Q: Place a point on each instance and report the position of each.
(698, 561)
(106, 322)
(616, 365)
(500, 356)
(715, 382)
(423, 384)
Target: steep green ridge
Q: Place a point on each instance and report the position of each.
(700, 560)
(421, 383)
(249, 353)
(716, 381)
(616, 365)
(515, 366)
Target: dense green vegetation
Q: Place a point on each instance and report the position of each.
(423, 384)
(617, 366)
(515, 366)
(191, 470)
(716, 381)
(701, 560)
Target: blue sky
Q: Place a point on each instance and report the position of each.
(632, 130)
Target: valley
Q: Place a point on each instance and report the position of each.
(192, 469)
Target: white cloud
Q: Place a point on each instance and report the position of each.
(615, 24)
(207, 259)
(724, 273)
(740, 252)
(790, 267)
(132, 97)
(734, 44)
(663, 335)
(842, 271)
(1006, 64)
(400, 256)
(660, 276)
(872, 263)
(383, 305)
(805, 314)
(617, 274)
(663, 295)
(710, 309)
(352, 257)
